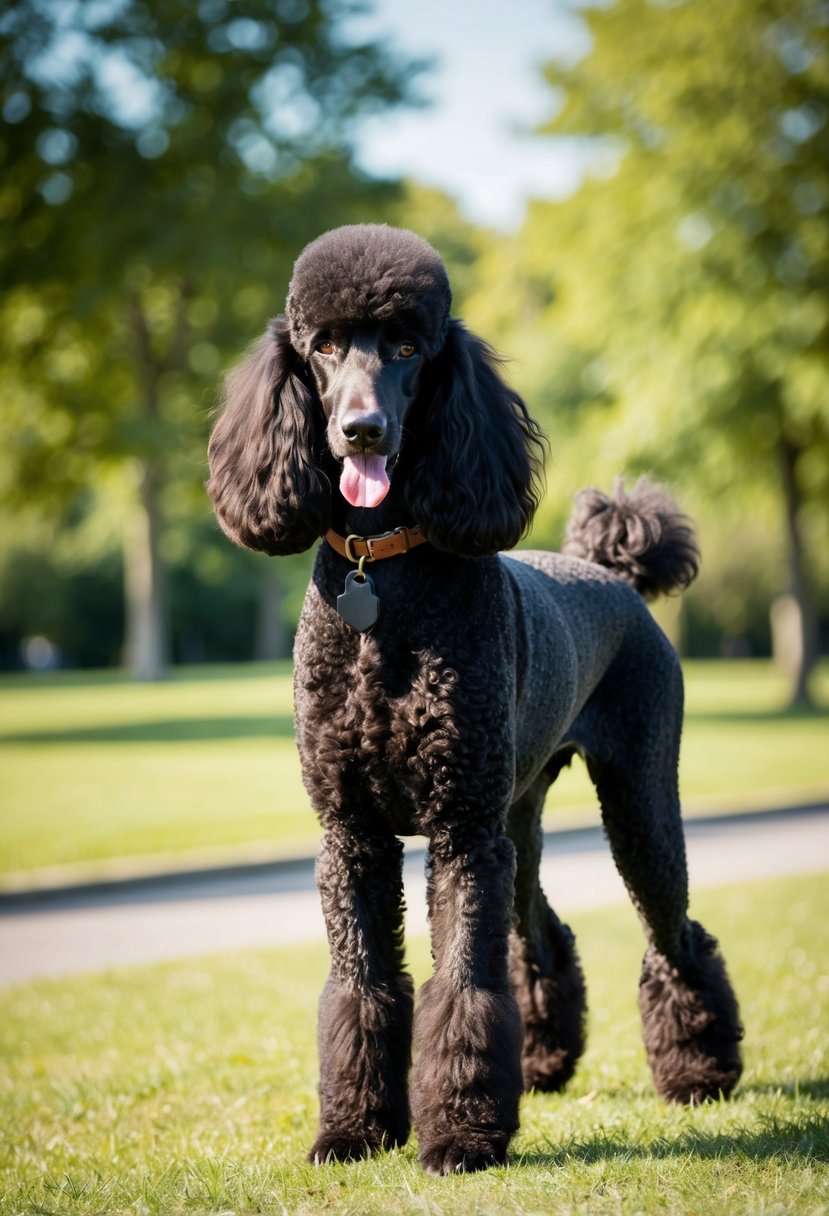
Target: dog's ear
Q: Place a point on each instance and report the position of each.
(266, 483)
(473, 479)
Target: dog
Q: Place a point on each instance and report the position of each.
(441, 686)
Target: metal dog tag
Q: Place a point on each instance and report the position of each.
(358, 605)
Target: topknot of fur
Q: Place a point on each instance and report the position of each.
(369, 272)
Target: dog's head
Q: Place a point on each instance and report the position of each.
(368, 305)
(366, 379)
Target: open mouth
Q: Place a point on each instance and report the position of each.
(364, 481)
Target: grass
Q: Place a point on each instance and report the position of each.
(190, 1087)
(94, 767)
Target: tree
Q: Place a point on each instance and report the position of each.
(690, 273)
(161, 164)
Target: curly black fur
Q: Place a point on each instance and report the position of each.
(544, 967)
(268, 476)
(472, 470)
(642, 536)
(367, 271)
(690, 1020)
(482, 677)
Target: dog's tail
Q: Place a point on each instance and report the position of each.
(642, 535)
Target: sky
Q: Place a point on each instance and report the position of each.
(475, 141)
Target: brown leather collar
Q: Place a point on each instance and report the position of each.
(375, 548)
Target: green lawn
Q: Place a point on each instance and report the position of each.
(95, 768)
(190, 1087)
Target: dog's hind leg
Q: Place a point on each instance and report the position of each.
(365, 1014)
(689, 1012)
(544, 966)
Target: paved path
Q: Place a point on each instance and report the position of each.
(91, 928)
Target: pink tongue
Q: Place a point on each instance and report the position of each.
(364, 481)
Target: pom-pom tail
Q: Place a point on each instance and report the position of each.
(642, 535)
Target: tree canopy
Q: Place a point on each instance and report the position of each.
(161, 164)
(682, 291)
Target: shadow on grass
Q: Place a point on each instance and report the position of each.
(798, 1138)
(167, 730)
(109, 677)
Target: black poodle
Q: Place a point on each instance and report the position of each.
(440, 688)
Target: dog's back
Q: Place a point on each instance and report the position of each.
(579, 611)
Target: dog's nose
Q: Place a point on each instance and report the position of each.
(364, 427)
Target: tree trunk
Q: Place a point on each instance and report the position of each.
(146, 645)
(803, 622)
(271, 635)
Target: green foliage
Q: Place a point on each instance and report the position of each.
(673, 315)
(61, 578)
(161, 165)
(52, 595)
(462, 245)
(190, 1087)
(712, 310)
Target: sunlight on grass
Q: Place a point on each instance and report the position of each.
(95, 767)
(190, 1087)
(740, 750)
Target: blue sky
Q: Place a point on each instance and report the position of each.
(474, 141)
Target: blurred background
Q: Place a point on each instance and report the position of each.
(633, 203)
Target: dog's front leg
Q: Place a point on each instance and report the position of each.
(365, 1014)
(466, 1081)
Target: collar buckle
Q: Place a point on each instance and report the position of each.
(361, 549)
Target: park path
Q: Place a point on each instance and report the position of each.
(88, 929)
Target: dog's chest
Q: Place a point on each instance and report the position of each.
(376, 744)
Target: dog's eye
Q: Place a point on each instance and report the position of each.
(406, 349)
(325, 348)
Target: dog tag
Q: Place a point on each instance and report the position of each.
(358, 605)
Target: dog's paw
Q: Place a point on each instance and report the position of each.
(691, 1023)
(334, 1146)
(546, 1071)
(352, 1145)
(464, 1151)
